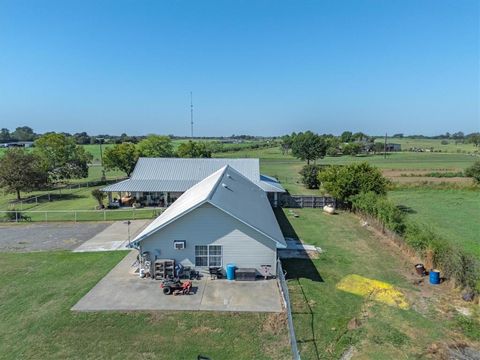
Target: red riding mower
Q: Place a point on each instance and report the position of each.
(176, 287)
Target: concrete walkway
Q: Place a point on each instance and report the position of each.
(114, 237)
(122, 290)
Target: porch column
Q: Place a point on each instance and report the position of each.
(109, 194)
(165, 198)
(275, 199)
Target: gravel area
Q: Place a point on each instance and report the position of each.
(44, 237)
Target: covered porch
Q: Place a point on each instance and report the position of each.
(118, 199)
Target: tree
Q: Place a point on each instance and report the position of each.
(286, 143)
(99, 196)
(23, 133)
(344, 182)
(308, 146)
(474, 171)
(309, 175)
(21, 171)
(474, 138)
(62, 157)
(156, 146)
(192, 149)
(122, 157)
(5, 135)
(352, 148)
(346, 137)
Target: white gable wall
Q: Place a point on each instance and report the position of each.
(207, 225)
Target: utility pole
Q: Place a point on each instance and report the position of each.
(191, 115)
(385, 147)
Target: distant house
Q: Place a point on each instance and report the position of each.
(160, 181)
(225, 218)
(393, 147)
(25, 144)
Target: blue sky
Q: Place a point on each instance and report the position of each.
(255, 67)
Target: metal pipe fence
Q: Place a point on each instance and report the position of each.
(286, 299)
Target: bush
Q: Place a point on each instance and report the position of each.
(345, 182)
(382, 209)
(309, 175)
(474, 171)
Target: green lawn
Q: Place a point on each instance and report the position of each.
(37, 291)
(321, 312)
(453, 214)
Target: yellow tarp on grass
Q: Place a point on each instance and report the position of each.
(374, 289)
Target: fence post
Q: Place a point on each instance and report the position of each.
(75, 216)
(16, 216)
(46, 216)
(104, 215)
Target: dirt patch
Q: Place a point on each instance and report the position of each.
(275, 323)
(412, 177)
(206, 330)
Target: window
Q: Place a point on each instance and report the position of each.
(214, 255)
(201, 255)
(208, 255)
(179, 244)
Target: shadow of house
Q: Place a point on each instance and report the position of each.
(301, 266)
(297, 269)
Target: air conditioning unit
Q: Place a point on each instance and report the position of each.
(179, 244)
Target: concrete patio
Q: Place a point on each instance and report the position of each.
(122, 290)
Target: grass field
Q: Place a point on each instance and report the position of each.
(37, 291)
(453, 214)
(286, 167)
(323, 314)
(435, 144)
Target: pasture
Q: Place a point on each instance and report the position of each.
(452, 213)
(38, 290)
(449, 145)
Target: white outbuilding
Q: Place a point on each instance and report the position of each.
(225, 218)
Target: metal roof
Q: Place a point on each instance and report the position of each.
(180, 174)
(231, 192)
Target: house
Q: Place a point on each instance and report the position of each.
(225, 218)
(393, 147)
(160, 181)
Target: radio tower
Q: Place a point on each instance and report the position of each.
(191, 115)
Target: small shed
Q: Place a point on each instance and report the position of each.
(225, 218)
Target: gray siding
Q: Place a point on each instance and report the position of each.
(208, 225)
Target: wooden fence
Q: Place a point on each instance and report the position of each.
(307, 201)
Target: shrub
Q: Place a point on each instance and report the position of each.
(345, 182)
(309, 175)
(474, 171)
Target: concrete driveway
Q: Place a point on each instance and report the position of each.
(46, 237)
(122, 290)
(114, 237)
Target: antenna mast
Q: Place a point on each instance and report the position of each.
(191, 115)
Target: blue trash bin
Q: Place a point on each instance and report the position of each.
(434, 277)
(230, 271)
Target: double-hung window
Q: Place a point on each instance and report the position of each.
(208, 255)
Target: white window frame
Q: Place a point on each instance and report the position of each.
(182, 242)
(208, 256)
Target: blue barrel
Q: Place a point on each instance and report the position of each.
(434, 277)
(230, 271)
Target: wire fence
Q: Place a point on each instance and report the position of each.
(18, 216)
(57, 193)
(286, 299)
